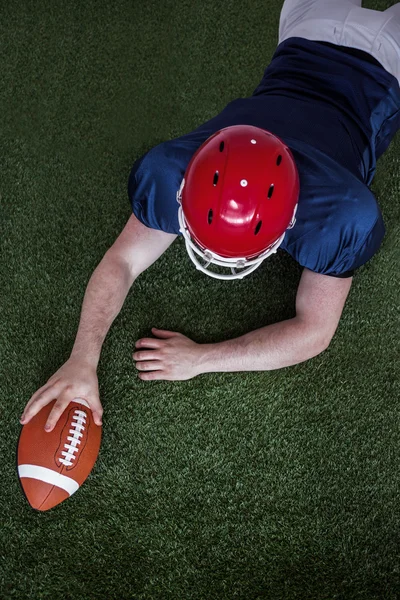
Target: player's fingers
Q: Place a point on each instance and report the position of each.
(151, 365)
(56, 412)
(61, 405)
(164, 333)
(41, 400)
(148, 343)
(97, 410)
(44, 387)
(146, 355)
(153, 376)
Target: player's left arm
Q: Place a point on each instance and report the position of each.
(319, 304)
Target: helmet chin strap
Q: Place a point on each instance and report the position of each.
(247, 266)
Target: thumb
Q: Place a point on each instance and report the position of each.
(97, 418)
(97, 411)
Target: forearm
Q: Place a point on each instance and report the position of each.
(103, 300)
(273, 347)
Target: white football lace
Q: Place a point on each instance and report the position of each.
(77, 428)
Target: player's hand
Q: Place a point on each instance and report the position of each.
(75, 379)
(170, 356)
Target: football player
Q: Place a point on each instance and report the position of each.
(288, 167)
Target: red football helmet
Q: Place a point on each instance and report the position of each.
(237, 199)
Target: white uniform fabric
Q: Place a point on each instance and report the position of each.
(346, 23)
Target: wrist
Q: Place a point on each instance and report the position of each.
(85, 358)
(206, 360)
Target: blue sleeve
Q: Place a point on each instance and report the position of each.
(365, 251)
(339, 244)
(152, 187)
(155, 179)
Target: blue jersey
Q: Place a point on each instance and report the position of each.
(337, 109)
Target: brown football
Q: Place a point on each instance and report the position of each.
(52, 465)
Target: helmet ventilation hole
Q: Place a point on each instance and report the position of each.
(210, 216)
(279, 160)
(271, 191)
(258, 227)
(216, 178)
(221, 146)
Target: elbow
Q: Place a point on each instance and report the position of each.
(315, 338)
(320, 344)
(316, 341)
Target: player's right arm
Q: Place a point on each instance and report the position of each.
(136, 248)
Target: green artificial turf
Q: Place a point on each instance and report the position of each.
(272, 485)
